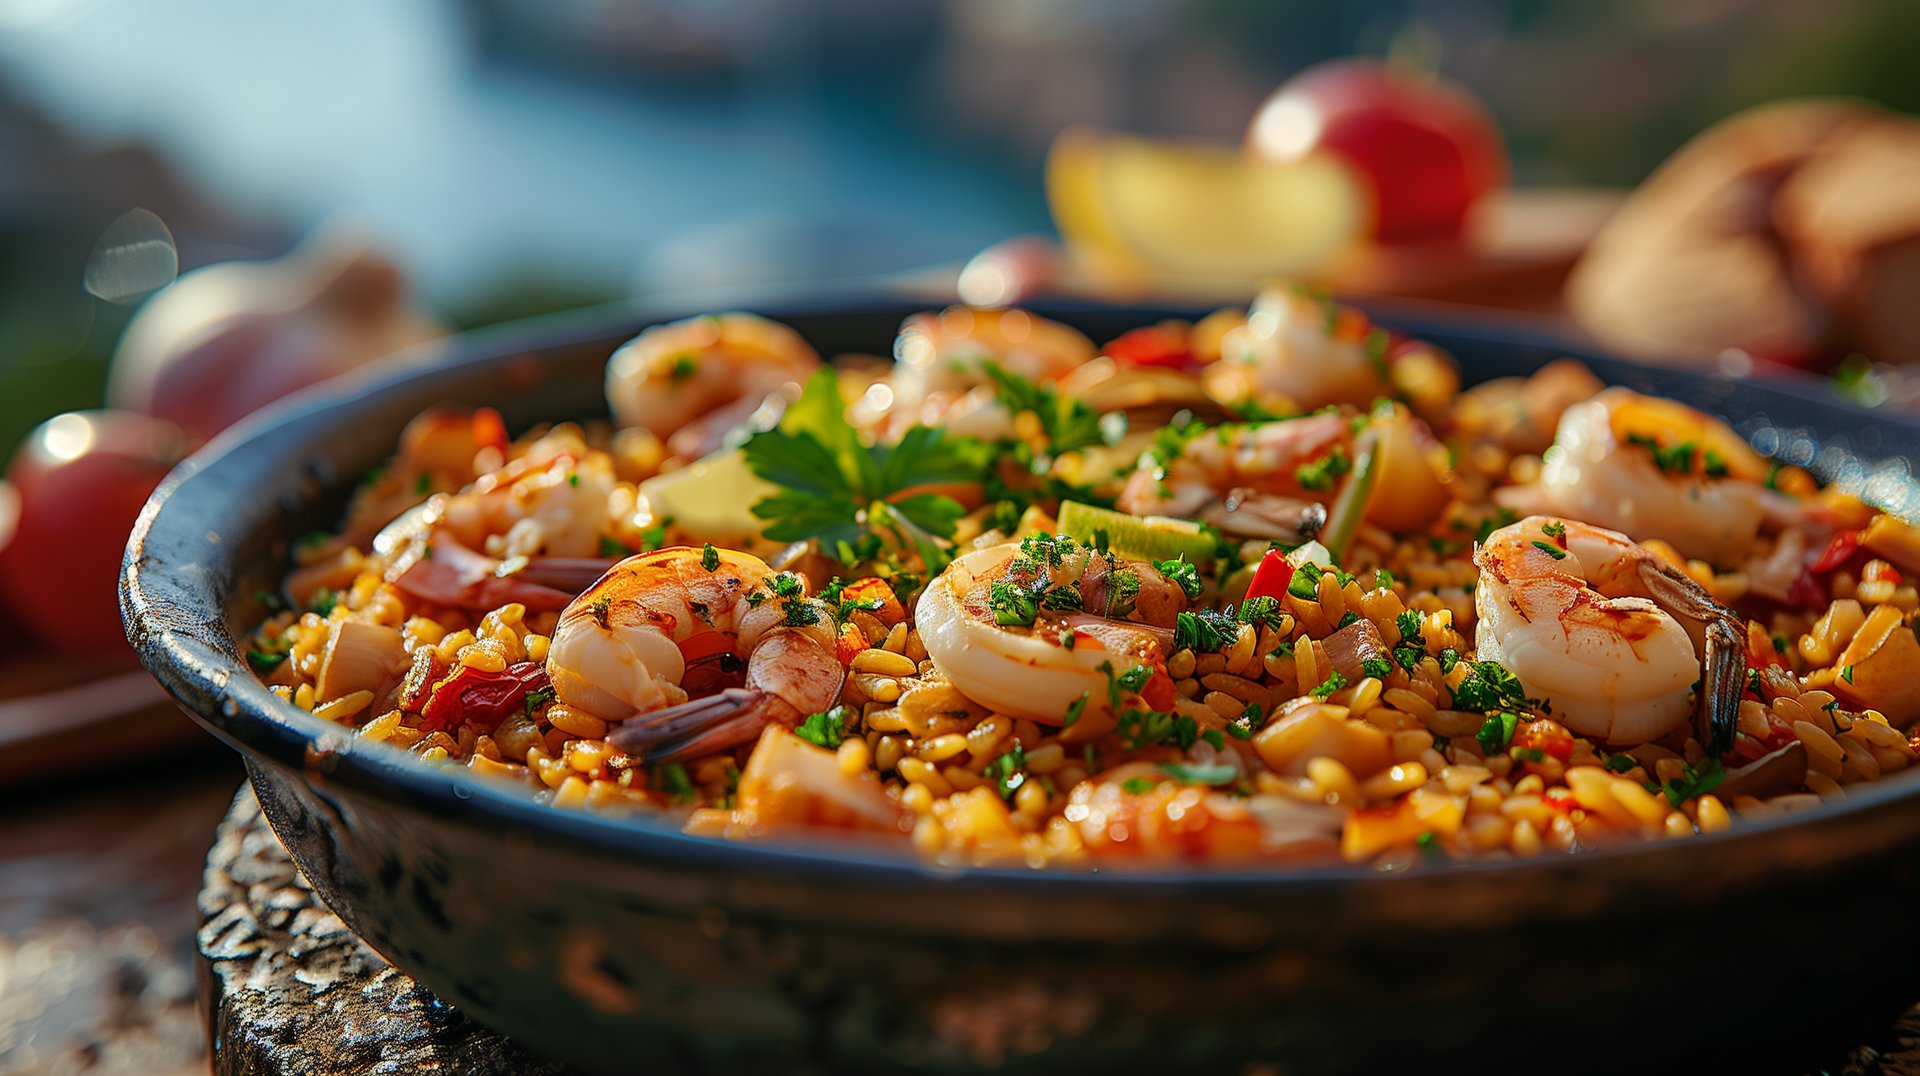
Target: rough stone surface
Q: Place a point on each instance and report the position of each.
(292, 992)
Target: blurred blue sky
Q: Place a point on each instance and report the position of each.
(390, 115)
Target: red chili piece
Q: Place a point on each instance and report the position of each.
(475, 697)
(1271, 578)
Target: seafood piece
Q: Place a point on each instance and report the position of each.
(443, 447)
(997, 620)
(1659, 469)
(1267, 457)
(1611, 635)
(1271, 479)
(1249, 513)
(940, 358)
(693, 382)
(1169, 820)
(624, 650)
(1521, 413)
(525, 533)
(1300, 350)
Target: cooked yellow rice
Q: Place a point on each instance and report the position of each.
(1380, 769)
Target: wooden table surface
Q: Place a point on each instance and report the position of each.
(98, 873)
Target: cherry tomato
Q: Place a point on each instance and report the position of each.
(1154, 345)
(11, 628)
(1271, 578)
(81, 478)
(1428, 147)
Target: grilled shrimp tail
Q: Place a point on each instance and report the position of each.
(693, 728)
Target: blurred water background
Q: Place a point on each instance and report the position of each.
(518, 156)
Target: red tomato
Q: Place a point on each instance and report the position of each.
(1153, 345)
(1428, 147)
(1270, 579)
(11, 628)
(82, 478)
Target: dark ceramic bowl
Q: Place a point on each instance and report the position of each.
(622, 945)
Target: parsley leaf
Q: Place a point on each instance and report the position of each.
(1319, 474)
(1008, 771)
(1068, 423)
(1496, 732)
(1305, 583)
(671, 777)
(1334, 682)
(1550, 549)
(1209, 630)
(827, 729)
(1695, 781)
(1187, 576)
(1012, 605)
(1488, 687)
(834, 489)
(1218, 773)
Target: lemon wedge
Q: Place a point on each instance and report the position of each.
(1137, 537)
(711, 499)
(1134, 205)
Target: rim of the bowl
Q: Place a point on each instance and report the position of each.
(212, 680)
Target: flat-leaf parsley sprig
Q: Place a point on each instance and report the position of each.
(843, 493)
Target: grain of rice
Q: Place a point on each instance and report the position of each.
(1525, 839)
(942, 748)
(853, 756)
(1240, 654)
(575, 722)
(1333, 781)
(883, 663)
(1824, 755)
(1223, 704)
(922, 772)
(1180, 665)
(1394, 780)
(344, 707)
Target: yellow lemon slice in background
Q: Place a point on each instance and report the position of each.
(1132, 205)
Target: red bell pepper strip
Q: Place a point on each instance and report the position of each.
(1271, 578)
(1844, 545)
(478, 698)
(1157, 692)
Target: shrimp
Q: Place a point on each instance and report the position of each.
(1274, 469)
(1040, 628)
(1611, 635)
(528, 531)
(1659, 469)
(693, 382)
(625, 648)
(940, 363)
(1299, 351)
